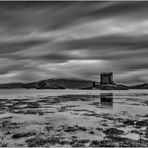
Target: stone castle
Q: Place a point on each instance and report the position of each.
(107, 83)
(106, 78)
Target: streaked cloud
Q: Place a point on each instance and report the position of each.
(40, 40)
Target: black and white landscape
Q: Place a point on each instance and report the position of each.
(74, 74)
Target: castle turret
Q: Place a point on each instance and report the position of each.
(106, 78)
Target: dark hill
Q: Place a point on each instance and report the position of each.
(11, 85)
(140, 86)
(51, 84)
(70, 84)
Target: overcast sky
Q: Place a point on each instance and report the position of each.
(41, 40)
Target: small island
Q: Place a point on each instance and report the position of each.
(106, 83)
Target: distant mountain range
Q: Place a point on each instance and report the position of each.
(51, 84)
(71, 84)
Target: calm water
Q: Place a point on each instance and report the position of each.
(103, 111)
(132, 101)
(38, 92)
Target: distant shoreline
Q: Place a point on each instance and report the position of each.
(71, 84)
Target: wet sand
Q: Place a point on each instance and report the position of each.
(75, 120)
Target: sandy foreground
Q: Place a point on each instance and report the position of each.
(75, 120)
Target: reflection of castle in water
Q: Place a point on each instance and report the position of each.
(106, 100)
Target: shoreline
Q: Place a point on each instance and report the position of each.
(74, 120)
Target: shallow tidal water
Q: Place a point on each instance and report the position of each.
(30, 117)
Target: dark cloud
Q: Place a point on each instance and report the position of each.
(109, 41)
(13, 47)
(48, 15)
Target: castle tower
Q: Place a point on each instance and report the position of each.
(106, 78)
